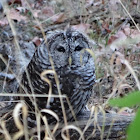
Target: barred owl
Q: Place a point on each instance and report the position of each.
(76, 76)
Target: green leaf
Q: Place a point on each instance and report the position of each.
(128, 101)
(134, 128)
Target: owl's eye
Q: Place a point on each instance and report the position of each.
(61, 49)
(78, 48)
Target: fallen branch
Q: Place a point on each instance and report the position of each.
(114, 127)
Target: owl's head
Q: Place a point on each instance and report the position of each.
(66, 48)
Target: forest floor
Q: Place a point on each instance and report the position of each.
(113, 28)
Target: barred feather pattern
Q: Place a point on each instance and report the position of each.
(76, 79)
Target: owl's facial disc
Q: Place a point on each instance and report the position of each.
(66, 48)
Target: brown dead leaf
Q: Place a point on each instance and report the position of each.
(81, 27)
(112, 39)
(119, 35)
(118, 61)
(105, 25)
(131, 32)
(36, 40)
(48, 11)
(3, 22)
(14, 1)
(15, 15)
(124, 34)
(36, 13)
(59, 18)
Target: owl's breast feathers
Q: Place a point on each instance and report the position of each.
(72, 79)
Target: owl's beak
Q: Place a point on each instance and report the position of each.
(70, 60)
